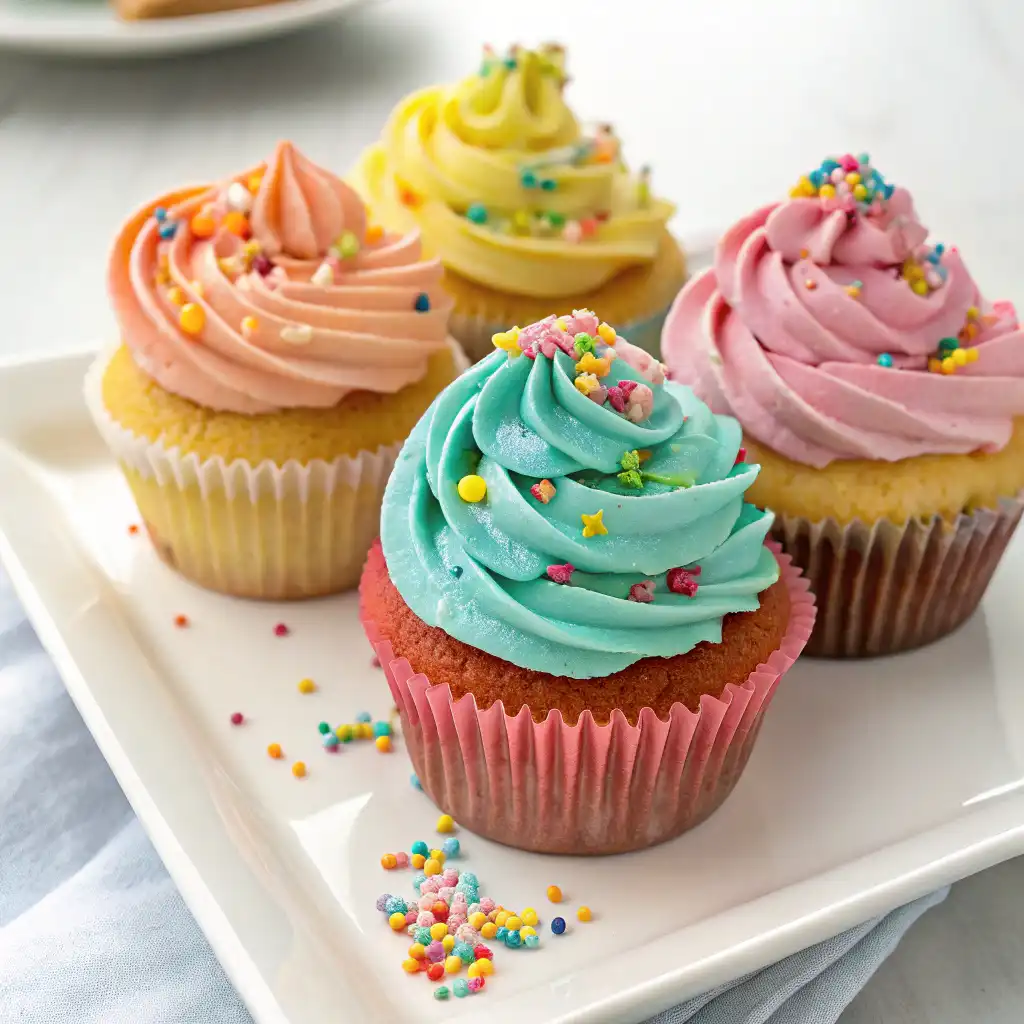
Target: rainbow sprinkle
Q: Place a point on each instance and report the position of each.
(848, 182)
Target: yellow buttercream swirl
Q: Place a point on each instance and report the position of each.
(562, 214)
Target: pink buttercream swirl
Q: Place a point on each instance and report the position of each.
(785, 333)
(288, 319)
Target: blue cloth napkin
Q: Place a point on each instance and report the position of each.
(92, 929)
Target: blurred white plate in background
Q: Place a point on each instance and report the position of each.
(90, 28)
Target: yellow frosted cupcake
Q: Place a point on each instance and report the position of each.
(276, 351)
(526, 209)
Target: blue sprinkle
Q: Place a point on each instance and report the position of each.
(513, 940)
(324, 728)
(422, 303)
(382, 729)
(510, 63)
(160, 213)
(477, 213)
(441, 993)
(817, 178)
(863, 158)
(395, 905)
(420, 847)
(938, 250)
(502, 934)
(464, 952)
(382, 902)
(828, 166)
(528, 179)
(364, 716)
(331, 741)
(456, 571)
(418, 880)
(558, 925)
(461, 988)
(887, 191)
(414, 781)
(885, 360)
(532, 941)
(469, 878)
(423, 936)
(167, 229)
(549, 185)
(942, 271)
(451, 847)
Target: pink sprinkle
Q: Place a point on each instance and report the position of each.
(450, 876)
(411, 918)
(598, 395)
(281, 629)
(468, 934)
(237, 718)
(681, 581)
(455, 922)
(375, 662)
(616, 399)
(640, 402)
(427, 902)
(487, 905)
(446, 892)
(425, 919)
(435, 951)
(642, 592)
(848, 162)
(475, 984)
(561, 573)
(741, 456)
(430, 885)
(402, 860)
(627, 387)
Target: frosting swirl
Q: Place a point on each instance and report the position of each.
(507, 187)
(269, 291)
(518, 482)
(831, 332)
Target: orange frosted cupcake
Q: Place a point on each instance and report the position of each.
(276, 349)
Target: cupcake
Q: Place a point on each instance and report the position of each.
(882, 395)
(578, 616)
(276, 349)
(527, 209)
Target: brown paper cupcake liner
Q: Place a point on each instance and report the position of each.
(885, 587)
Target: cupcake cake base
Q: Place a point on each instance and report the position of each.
(654, 758)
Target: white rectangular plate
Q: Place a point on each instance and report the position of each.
(872, 783)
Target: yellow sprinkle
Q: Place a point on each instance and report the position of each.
(507, 342)
(860, 193)
(307, 686)
(397, 921)
(438, 931)
(561, 324)
(853, 178)
(452, 964)
(503, 916)
(417, 951)
(853, 291)
(589, 363)
(176, 296)
(477, 920)
(251, 249)
(972, 355)
(417, 860)
(489, 930)
(972, 312)
(254, 182)
(585, 383)
(527, 930)
(448, 943)
(410, 966)
(529, 916)
(554, 894)
(474, 969)
(389, 861)
(439, 856)
(948, 366)
(299, 770)
(431, 867)
(445, 823)
(383, 744)
(935, 365)
(472, 488)
(249, 324)
(593, 525)
(607, 333)
(197, 287)
(827, 191)
(521, 222)
(274, 750)
(365, 731)
(960, 356)
(919, 287)
(583, 914)
(374, 233)
(513, 924)
(485, 965)
(344, 733)
(192, 318)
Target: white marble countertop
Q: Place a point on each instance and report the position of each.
(730, 101)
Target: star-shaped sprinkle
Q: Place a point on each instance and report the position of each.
(593, 525)
(589, 363)
(508, 341)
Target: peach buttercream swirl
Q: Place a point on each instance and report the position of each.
(810, 332)
(270, 291)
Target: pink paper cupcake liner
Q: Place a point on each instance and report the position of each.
(551, 787)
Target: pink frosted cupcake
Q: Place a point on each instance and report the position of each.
(881, 394)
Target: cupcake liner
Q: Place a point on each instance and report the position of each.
(551, 787)
(885, 587)
(260, 530)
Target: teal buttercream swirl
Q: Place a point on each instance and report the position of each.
(478, 570)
